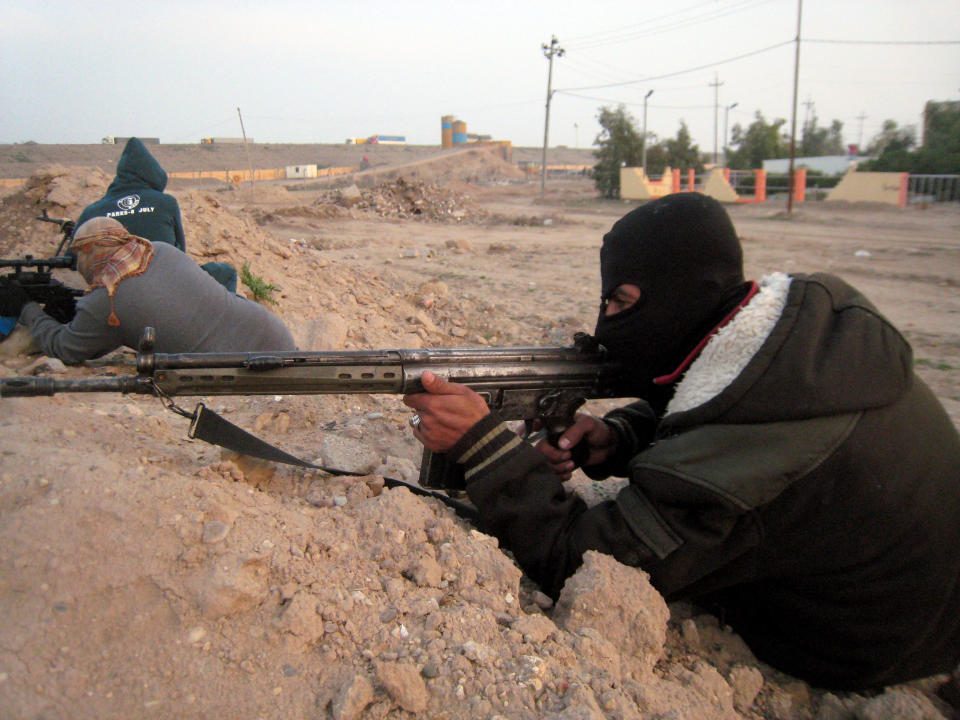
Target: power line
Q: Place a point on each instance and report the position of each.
(617, 101)
(883, 42)
(679, 72)
(677, 25)
(593, 36)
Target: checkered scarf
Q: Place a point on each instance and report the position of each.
(106, 255)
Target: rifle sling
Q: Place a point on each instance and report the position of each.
(210, 427)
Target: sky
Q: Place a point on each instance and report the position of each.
(321, 71)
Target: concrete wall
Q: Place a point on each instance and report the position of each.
(635, 185)
(883, 187)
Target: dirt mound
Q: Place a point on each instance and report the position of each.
(62, 192)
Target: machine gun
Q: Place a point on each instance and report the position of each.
(545, 384)
(36, 278)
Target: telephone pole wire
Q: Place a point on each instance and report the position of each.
(549, 51)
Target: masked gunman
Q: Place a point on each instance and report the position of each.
(787, 469)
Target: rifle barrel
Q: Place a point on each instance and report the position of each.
(36, 386)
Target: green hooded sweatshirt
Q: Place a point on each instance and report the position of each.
(136, 199)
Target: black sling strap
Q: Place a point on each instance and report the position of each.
(210, 427)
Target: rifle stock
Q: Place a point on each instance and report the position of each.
(548, 384)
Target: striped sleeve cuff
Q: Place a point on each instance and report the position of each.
(484, 446)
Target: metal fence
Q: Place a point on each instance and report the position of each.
(925, 189)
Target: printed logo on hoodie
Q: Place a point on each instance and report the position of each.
(128, 202)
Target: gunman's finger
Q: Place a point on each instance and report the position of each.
(436, 385)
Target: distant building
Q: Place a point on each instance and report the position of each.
(301, 171)
(826, 164)
(224, 141)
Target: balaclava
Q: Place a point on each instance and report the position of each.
(683, 253)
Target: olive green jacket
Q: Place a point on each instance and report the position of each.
(803, 483)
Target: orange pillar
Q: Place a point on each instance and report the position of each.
(691, 179)
(904, 189)
(726, 174)
(760, 185)
(799, 184)
(676, 180)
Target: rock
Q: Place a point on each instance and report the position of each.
(425, 572)
(214, 531)
(350, 196)
(351, 698)
(230, 583)
(535, 628)
(399, 468)
(18, 342)
(45, 364)
(604, 594)
(477, 652)
(746, 683)
(324, 331)
(404, 685)
(299, 617)
(253, 470)
(349, 454)
(898, 704)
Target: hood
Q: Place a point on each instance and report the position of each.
(136, 168)
(805, 346)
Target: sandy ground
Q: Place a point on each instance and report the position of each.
(143, 574)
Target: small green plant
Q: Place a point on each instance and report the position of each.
(933, 364)
(261, 289)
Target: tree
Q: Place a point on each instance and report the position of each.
(680, 152)
(620, 145)
(760, 141)
(817, 141)
(892, 138)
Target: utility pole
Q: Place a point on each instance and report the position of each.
(726, 129)
(808, 104)
(549, 51)
(861, 117)
(245, 146)
(793, 124)
(644, 161)
(716, 113)
(576, 135)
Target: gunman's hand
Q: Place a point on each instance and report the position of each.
(446, 411)
(599, 438)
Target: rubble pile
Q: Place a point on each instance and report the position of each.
(414, 199)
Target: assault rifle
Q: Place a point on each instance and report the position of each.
(545, 384)
(36, 278)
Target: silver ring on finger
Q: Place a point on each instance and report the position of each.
(414, 421)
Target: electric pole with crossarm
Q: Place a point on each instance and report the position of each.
(549, 51)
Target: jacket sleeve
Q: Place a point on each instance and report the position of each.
(522, 502)
(83, 338)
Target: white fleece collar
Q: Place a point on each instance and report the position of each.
(733, 346)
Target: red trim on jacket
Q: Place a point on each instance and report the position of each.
(675, 375)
